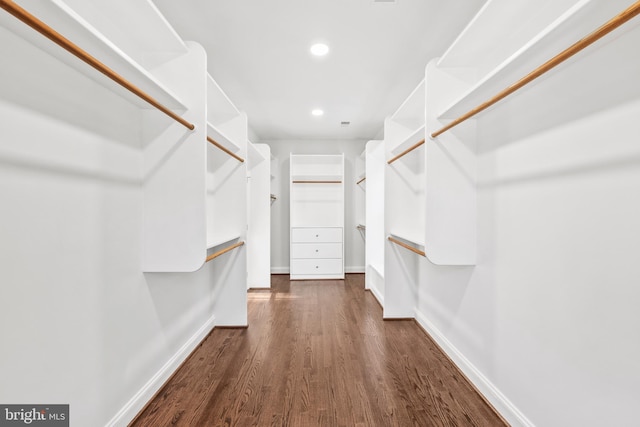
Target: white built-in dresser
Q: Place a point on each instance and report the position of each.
(317, 216)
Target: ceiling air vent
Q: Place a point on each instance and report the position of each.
(345, 123)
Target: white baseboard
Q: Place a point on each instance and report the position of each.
(377, 295)
(146, 393)
(285, 270)
(499, 401)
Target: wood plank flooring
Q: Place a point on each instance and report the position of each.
(317, 353)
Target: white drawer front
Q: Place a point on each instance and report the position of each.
(316, 266)
(316, 250)
(308, 235)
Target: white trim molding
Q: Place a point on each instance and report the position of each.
(146, 393)
(499, 401)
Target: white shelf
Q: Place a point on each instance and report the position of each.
(316, 178)
(69, 24)
(141, 31)
(557, 36)
(220, 109)
(415, 137)
(499, 29)
(411, 113)
(221, 138)
(320, 167)
(222, 240)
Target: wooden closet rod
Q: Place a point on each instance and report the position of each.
(404, 245)
(611, 25)
(361, 227)
(408, 150)
(316, 182)
(273, 197)
(361, 180)
(224, 251)
(211, 140)
(66, 44)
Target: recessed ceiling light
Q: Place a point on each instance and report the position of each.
(319, 49)
(317, 112)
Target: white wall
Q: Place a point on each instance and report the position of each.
(259, 216)
(354, 244)
(83, 325)
(550, 313)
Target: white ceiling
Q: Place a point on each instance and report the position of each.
(258, 52)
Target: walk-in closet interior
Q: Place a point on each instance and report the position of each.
(471, 166)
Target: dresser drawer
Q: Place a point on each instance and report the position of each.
(316, 266)
(312, 234)
(316, 250)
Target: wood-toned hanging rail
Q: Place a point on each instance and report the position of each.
(224, 251)
(214, 142)
(361, 227)
(273, 197)
(404, 245)
(316, 182)
(408, 150)
(74, 49)
(611, 25)
(362, 179)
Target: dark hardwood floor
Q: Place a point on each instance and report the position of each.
(317, 353)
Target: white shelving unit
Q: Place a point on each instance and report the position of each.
(127, 57)
(226, 201)
(404, 202)
(317, 216)
(374, 207)
(170, 156)
(128, 189)
(226, 175)
(470, 73)
(259, 216)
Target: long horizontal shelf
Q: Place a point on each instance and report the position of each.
(483, 44)
(326, 177)
(413, 141)
(315, 182)
(221, 240)
(412, 108)
(63, 20)
(223, 142)
(219, 107)
(121, 21)
(556, 37)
